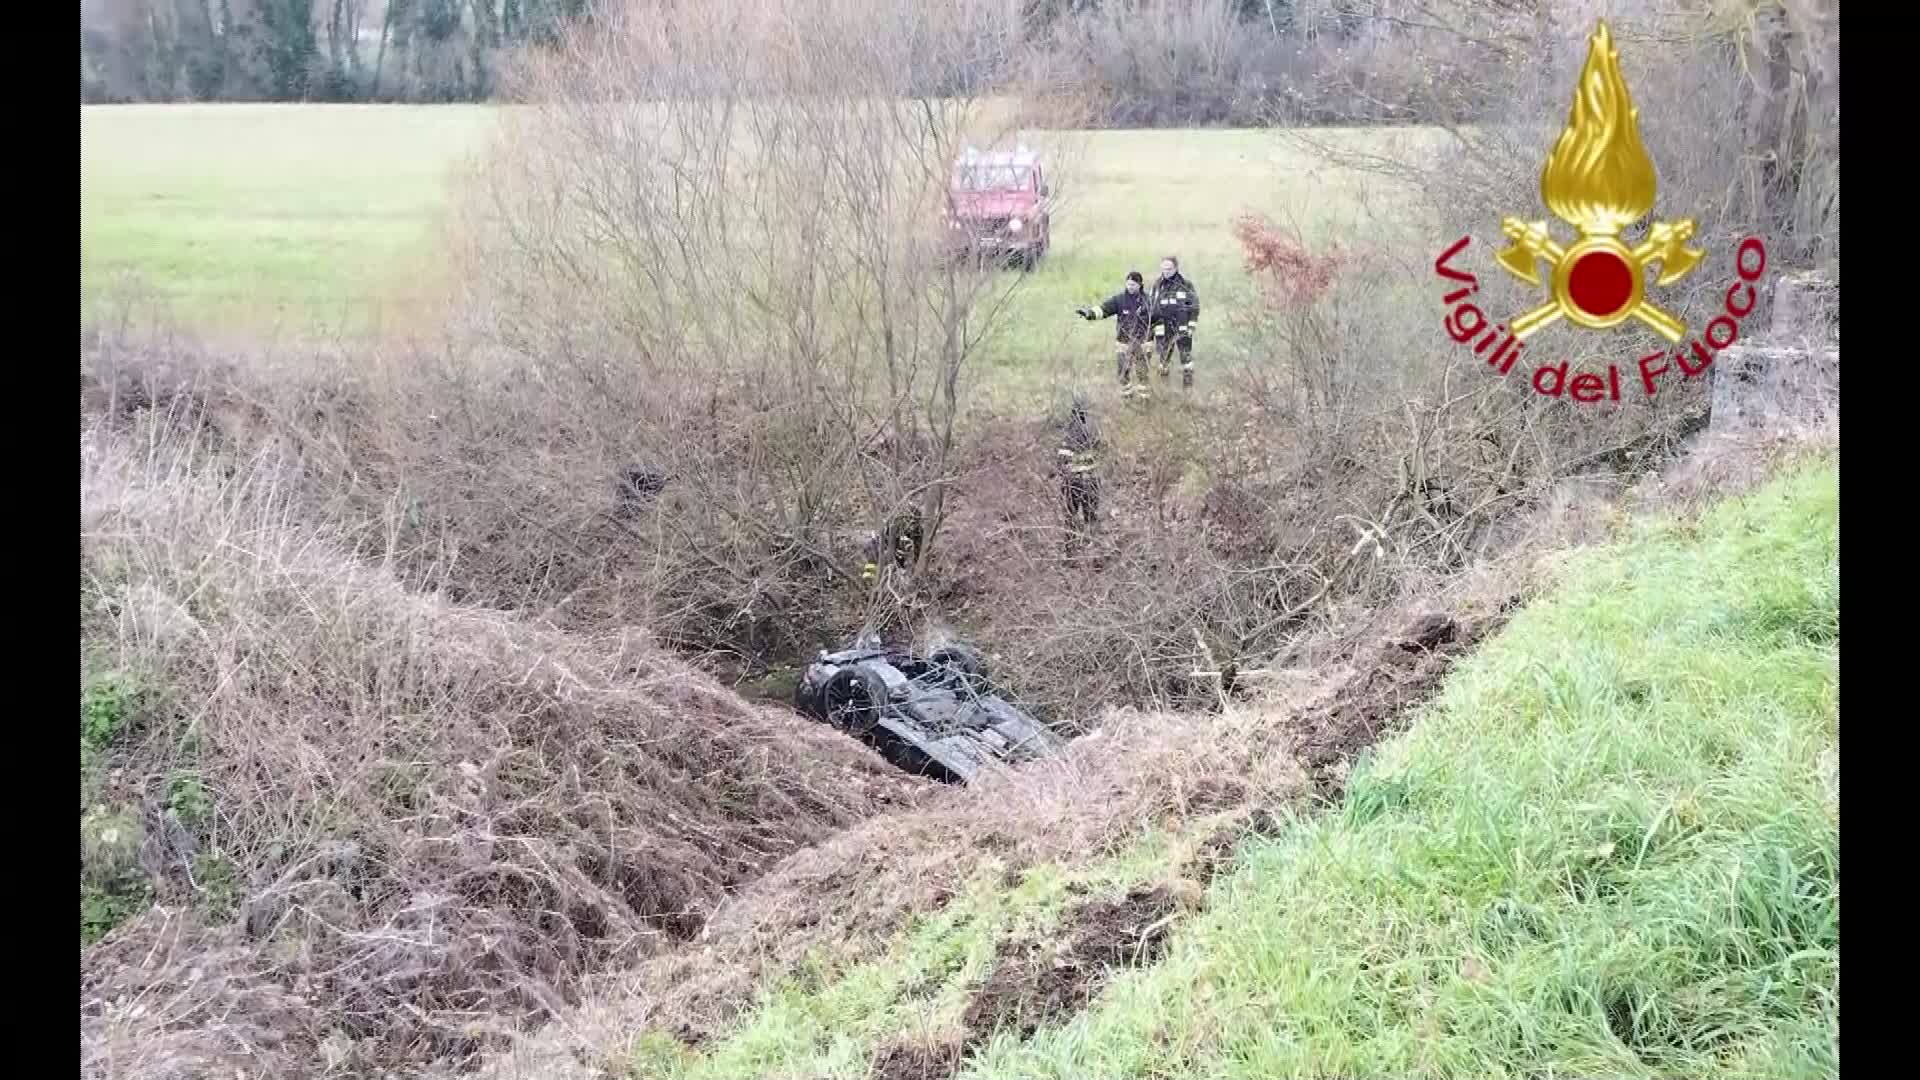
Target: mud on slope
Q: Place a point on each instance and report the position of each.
(1037, 983)
(911, 1061)
(1210, 779)
(1398, 674)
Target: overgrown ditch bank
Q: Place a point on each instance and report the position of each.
(1609, 846)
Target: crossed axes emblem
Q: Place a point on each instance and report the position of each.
(1666, 244)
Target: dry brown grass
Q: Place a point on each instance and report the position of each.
(1726, 464)
(429, 821)
(841, 901)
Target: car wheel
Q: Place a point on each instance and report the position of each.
(961, 659)
(853, 698)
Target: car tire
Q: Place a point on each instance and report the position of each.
(852, 700)
(959, 658)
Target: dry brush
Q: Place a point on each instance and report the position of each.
(371, 818)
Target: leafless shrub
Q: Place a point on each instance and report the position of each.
(1364, 372)
(1181, 64)
(1165, 64)
(715, 240)
(1226, 535)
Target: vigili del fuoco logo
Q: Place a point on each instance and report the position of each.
(1599, 180)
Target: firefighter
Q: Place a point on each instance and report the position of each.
(901, 542)
(1079, 484)
(1130, 331)
(907, 533)
(1176, 311)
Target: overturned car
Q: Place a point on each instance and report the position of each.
(935, 715)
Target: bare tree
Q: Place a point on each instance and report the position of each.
(716, 230)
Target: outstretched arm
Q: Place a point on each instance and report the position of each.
(1108, 308)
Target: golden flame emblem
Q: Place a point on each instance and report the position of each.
(1599, 180)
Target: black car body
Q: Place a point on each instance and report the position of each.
(935, 715)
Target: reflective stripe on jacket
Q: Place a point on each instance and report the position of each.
(1175, 301)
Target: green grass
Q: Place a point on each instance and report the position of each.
(262, 218)
(113, 885)
(110, 706)
(824, 1023)
(1128, 198)
(293, 219)
(1610, 848)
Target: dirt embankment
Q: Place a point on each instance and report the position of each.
(1212, 778)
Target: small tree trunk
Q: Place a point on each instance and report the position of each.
(952, 353)
(380, 55)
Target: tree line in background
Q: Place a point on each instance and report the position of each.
(1165, 63)
(1149, 63)
(307, 50)
(1114, 63)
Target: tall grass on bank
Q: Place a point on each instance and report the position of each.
(1611, 848)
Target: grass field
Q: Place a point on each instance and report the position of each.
(1134, 196)
(314, 219)
(1622, 861)
(270, 218)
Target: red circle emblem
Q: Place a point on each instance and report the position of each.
(1600, 284)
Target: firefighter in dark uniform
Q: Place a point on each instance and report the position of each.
(1131, 307)
(1176, 311)
(1079, 484)
(901, 542)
